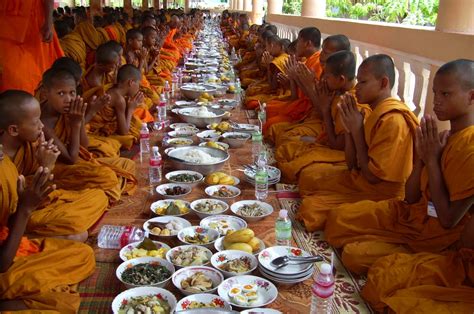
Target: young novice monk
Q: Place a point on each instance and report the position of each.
(325, 149)
(67, 214)
(439, 193)
(307, 46)
(116, 118)
(370, 147)
(35, 274)
(63, 118)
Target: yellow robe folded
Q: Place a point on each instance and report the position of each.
(89, 34)
(369, 230)
(74, 48)
(389, 131)
(45, 278)
(113, 175)
(63, 212)
(424, 283)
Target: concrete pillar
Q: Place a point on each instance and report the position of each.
(127, 7)
(240, 4)
(187, 6)
(95, 7)
(275, 6)
(314, 8)
(454, 16)
(165, 4)
(144, 4)
(257, 11)
(156, 4)
(247, 5)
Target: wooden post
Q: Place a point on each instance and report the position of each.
(454, 16)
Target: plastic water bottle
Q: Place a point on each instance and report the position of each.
(156, 165)
(322, 290)
(257, 140)
(161, 109)
(261, 178)
(283, 229)
(167, 92)
(116, 237)
(144, 140)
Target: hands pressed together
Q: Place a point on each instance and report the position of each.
(429, 144)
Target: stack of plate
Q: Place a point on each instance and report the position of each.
(274, 175)
(290, 274)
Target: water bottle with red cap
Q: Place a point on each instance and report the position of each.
(322, 290)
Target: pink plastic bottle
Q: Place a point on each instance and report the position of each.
(323, 290)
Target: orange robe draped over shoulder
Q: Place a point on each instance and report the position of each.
(63, 212)
(423, 283)
(114, 175)
(389, 133)
(297, 110)
(23, 54)
(45, 272)
(369, 230)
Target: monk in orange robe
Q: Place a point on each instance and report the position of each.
(425, 282)
(71, 43)
(370, 147)
(439, 192)
(325, 147)
(40, 274)
(307, 46)
(28, 43)
(63, 119)
(286, 132)
(68, 214)
(156, 75)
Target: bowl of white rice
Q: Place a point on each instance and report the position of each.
(204, 159)
(201, 116)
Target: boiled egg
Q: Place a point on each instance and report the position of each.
(249, 288)
(235, 291)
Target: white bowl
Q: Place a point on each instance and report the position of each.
(220, 258)
(193, 91)
(144, 260)
(246, 128)
(155, 205)
(129, 247)
(223, 145)
(286, 280)
(160, 189)
(184, 133)
(267, 209)
(289, 271)
(210, 190)
(143, 291)
(189, 115)
(165, 219)
(193, 230)
(266, 291)
(184, 103)
(215, 302)
(175, 126)
(219, 246)
(171, 174)
(178, 155)
(208, 136)
(213, 274)
(261, 311)
(179, 141)
(235, 142)
(183, 248)
(210, 213)
(223, 223)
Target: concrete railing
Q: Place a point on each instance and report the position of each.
(417, 51)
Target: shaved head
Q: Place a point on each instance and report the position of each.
(340, 42)
(128, 72)
(342, 63)
(106, 54)
(462, 69)
(381, 65)
(53, 75)
(12, 107)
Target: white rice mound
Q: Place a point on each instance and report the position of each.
(197, 156)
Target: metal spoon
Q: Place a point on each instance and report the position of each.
(285, 260)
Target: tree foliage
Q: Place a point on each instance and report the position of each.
(413, 12)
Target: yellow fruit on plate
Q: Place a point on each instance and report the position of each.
(231, 88)
(241, 247)
(212, 179)
(254, 243)
(205, 95)
(214, 126)
(227, 181)
(242, 236)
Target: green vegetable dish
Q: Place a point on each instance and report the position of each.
(148, 304)
(185, 178)
(145, 274)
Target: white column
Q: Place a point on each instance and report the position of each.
(187, 6)
(456, 16)
(257, 11)
(240, 5)
(313, 8)
(247, 5)
(275, 6)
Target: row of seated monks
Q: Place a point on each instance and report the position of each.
(392, 192)
(68, 106)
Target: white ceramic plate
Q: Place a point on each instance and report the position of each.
(171, 174)
(211, 234)
(266, 291)
(269, 254)
(184, 248)
(129, 247)
(219, 246)
(220, 258)
(213, 274)
(236, 181)
(182, 125)
(143, 291)
(158, 204)
(223, 145)
(210, 190)
(210, 201)
(261, 311)
(208, 136)
(144, 260)
(267, 209)
(286, 279)
(165, 219)
(179, 141)
(184, 103)
(223, 223)
(273, 174)
(213, 300)
(161, 190)
(184, 133)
